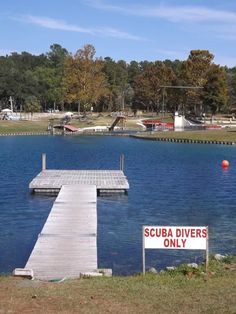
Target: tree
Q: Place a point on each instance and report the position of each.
(231, 82)
(148, 90)
(194, 74)
(84, 79)
(134, 69)
(215, 93)
(49, 86)
(32, 105)
(57, 57)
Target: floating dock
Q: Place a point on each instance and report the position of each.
(67, 244)
(51, 181)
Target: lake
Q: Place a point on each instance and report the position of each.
(170, 184)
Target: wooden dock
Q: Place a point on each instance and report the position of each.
(67, 244)
(104, 180)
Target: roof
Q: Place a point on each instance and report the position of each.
(70, 128)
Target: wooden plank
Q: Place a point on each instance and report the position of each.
(67, 244)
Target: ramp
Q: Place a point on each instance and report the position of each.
(116, 121)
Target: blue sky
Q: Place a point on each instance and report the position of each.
(129, 30)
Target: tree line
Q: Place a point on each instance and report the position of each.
(62, 80)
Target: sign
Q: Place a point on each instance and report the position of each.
(179, 238)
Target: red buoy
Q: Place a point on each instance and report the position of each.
(224, 164)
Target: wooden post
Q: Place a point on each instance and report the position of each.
(143, 251)
(43, 162)
(122, 162)
(207, 251)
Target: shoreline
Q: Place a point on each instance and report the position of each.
(120, 134)
(182, 140)
(183, 267)
(183, 290)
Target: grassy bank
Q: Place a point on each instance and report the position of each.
(182, 291)
(11, 127)
(225, 135)
(39, 126)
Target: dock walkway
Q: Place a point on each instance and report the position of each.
(67, 244)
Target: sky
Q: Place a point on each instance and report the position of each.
(121, 29)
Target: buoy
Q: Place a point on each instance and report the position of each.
(224, 164)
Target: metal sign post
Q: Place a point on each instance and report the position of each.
(143, 251)
(207, 251)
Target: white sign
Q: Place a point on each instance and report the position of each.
(178, 238)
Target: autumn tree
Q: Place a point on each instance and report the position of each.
(193, 73)
(84, 80)
(231, 83)
(215, 93)
(148, 85)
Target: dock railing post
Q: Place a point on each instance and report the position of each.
(43, 162)
(122, 162)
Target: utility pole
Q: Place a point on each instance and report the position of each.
(123, 101)
(11, 103)
(163, 102)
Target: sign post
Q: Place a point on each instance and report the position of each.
(143, 251)
(207, 251)
(178, 238)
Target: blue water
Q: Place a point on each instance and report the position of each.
(170, 184)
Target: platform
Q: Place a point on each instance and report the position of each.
(105, 180)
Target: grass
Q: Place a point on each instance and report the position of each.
(178, 291)
(207, 135)
(41, 125)
(11, 127)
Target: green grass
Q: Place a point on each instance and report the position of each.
(207, 135)
(181, 291)
(9, 127)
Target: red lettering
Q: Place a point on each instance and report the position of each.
(152, 232)
(170, 233)
(187, 232)
(193, 233)
(166, 243)
(198, 233)
(173, 242)
(146, 232)
(183, 242)
(158, 232)
(204, 233)
(178, 232)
